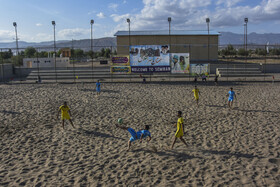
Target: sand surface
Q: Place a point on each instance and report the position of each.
(238, 147)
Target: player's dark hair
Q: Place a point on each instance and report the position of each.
(147, 127)
(180, 113)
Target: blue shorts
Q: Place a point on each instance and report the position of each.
(133, 134)
(98, 89)
(230, 99)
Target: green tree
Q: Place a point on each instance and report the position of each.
(7, 54)
(228, 51)
(90, 54)
(17, 60)
(274, 51)
(30, 52)
(242, 52)
(72, 53)
(107, 53)
(102, 52)
(260, 51)
(79, 53)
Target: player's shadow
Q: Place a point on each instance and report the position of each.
(228, 153)
(9, 112)
(217, 106)
(110, 91)
(102, 90)
(96, 133)
(258, 111)
(88, 90)
(179, 156)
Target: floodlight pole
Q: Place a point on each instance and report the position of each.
(128, 21)
(15, 25)
(208, 22)
(91, 47)
(169, 33)
(244, 37)
(246, 21)
(54, 48)
(169, 22)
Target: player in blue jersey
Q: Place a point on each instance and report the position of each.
(231, 95)
(141, 134)
(98, 87)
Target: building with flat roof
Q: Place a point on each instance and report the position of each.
(46, 62)
(196, 43)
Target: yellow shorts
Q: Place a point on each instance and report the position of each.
(196, 97)
(63, 117)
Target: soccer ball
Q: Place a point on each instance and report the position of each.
(120, 120)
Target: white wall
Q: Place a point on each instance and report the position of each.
(46, 62)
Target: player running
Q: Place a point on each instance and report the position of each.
(231, 95)
(180, 130)
(196, 94)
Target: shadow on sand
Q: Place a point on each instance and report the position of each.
(179, 156)
(258, 111)
(99, 134)
(217, 106)
(94, 90)
(9, 112)
(228, 153)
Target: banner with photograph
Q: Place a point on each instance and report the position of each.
(149, 55)
(180, 62)
(120, 61)
(150, 69)
(199, 69)
(120, 69)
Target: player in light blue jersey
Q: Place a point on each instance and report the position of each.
(137, 135)
(231, 95)
(98, 87)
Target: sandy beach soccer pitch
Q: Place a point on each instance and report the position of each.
(239, 147)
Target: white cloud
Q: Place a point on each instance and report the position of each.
(118, 18)
(72, 33)
(6, 35)
(113, 6)
(272, 7)
(228, 3)
(191, 14)
(101, 15)
(39, 24)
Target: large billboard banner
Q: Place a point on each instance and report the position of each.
(149, 55)
(199, 69)
(180, 62)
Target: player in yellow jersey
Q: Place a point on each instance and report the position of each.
(196, 94)
(65, 114)
(180, 130)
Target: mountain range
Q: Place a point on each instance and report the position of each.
(224, 39)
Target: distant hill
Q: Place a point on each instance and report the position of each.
(252, 38)
(76, 44)
(224, 39)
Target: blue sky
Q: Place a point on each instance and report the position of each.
(73, 17)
